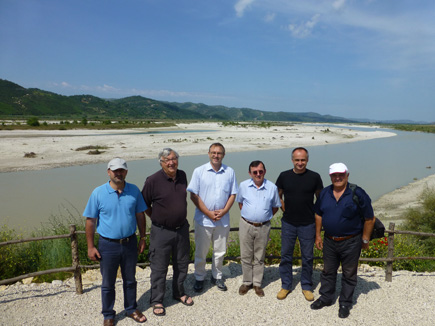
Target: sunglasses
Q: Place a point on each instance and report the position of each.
(259, 172)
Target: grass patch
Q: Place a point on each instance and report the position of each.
(30, 155)
(91, 147)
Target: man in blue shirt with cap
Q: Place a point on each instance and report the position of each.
(345, 235)
(116, 208)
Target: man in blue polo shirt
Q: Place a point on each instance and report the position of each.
(345, 235)
(213, 189)
(258, 201)
(116, 208)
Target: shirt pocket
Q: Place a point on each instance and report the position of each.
(350, 211)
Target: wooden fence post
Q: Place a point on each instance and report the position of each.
(75, 259)
(390, 255)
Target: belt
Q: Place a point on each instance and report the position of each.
(121, 241)
(175, 228)
(342, 238)
(256, 224)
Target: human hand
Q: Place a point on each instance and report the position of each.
(94, 254)
(319, 242)
(141, 246)
(218, 214)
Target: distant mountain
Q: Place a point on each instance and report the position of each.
(17, 101)
(219, 112)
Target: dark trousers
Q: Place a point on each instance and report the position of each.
(347, 253)
(114, 255)
(306, 235)
(165, 244)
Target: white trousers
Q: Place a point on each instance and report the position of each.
(218, 237)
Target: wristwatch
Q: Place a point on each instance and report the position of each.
(142, 238)
(365, 241)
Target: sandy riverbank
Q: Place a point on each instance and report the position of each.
(58, 148)
(391, 206)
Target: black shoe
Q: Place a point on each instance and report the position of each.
(319, 304)
(343, 311)
(199, 285)
(219, 283)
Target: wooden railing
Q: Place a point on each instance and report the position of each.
(76, 267)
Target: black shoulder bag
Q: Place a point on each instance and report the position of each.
(379, 228)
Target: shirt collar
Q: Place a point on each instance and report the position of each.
(209, 167)
(252, 184)
(110, 189)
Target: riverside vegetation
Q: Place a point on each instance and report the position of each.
(35, 256)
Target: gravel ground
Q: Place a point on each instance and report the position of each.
(408, 300)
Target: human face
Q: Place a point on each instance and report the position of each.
(117, 177)
(169, 164)
(257, 174)
(300, 161)
(339, 180)
(216, 155)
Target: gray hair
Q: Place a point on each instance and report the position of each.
(166, 152)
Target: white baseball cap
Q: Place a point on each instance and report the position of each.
(117, 163)
(338, 168)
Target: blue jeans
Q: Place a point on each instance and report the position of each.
(114, 255)
(306, 235)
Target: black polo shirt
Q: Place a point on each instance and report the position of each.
(167, 198)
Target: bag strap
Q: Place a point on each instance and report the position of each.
(352, 187)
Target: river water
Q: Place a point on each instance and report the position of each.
(29, 198)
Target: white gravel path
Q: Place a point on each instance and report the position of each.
(408, 300)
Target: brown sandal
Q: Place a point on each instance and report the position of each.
(137, 316)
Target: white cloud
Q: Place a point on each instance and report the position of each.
(269, 17)
(108, 89)
(65, 84)
(338, 4)
(303, 30)
(241, 6)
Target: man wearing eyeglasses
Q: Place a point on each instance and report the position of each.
(298, 186)
(165, 194)
(258, 201)
(213, 189)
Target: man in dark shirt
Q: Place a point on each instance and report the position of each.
(345, 234)
(298, 186)
(165, 195)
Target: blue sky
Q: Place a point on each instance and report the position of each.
(352, 58)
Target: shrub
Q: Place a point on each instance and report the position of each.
(33, 122)
(422, 219)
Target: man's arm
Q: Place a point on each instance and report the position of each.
(367, 231)
(318, 241)
(240, 206)
(274, 210)
(141, 225)
(197, 201)
(280, 194)
(93, 252)
(317, 193)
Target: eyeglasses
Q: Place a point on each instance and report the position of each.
(259, 172)
(166, 161)
(217, 153)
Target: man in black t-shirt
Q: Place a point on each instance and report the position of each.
(298, 187)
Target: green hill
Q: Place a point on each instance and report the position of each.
(19, 102)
